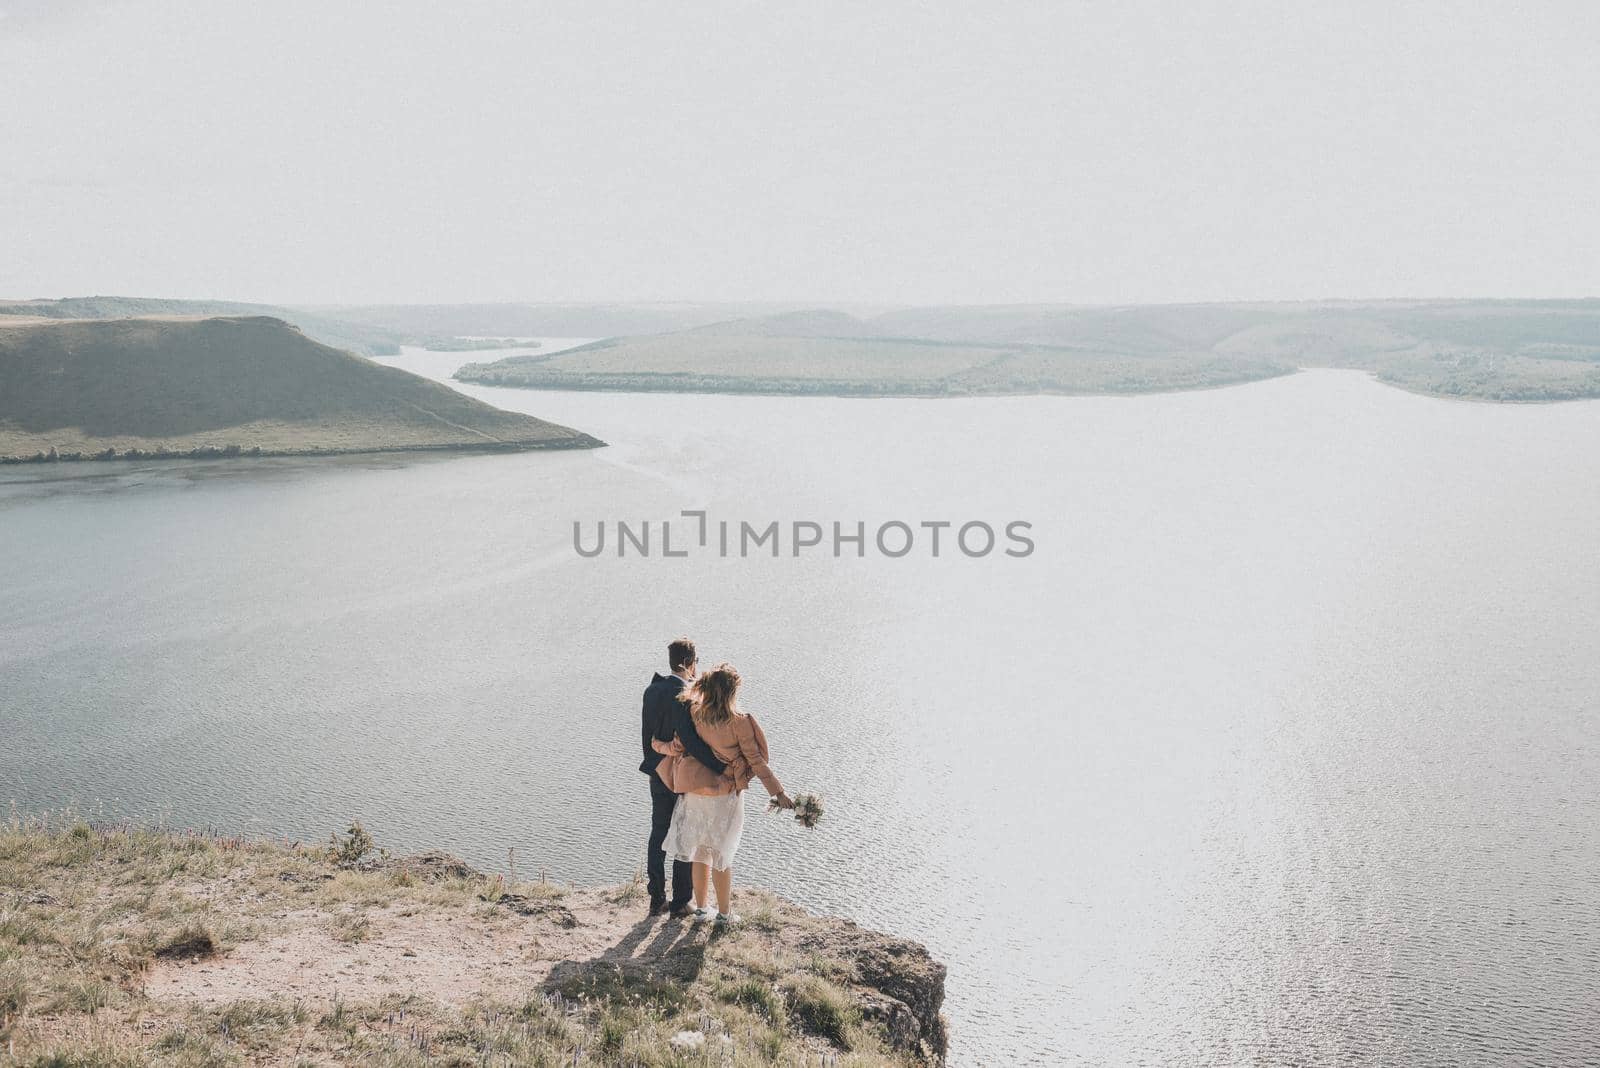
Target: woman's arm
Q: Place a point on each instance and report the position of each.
(745, 733)
(672, 748)
(682, 725)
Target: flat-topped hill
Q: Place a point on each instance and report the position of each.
(368, 339)
(535, 320)
(725, 360)
(184, 386)
(1482, 350)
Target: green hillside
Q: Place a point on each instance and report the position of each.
(200, 386)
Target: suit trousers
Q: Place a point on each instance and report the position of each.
(662, 802)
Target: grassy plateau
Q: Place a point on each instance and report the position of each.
(122, 945)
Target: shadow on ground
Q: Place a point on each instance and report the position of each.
(656, 960)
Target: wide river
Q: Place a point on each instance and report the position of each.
(1281, 746)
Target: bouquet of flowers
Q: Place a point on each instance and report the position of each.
(807, 809)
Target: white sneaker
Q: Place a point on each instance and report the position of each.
(726, 919)
(702, 915)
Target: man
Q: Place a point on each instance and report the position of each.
(666, 717)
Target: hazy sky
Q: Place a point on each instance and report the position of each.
(870, 151)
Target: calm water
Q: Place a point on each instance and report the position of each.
(1280, 748)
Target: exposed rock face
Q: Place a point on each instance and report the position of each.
(896, 982)
(553, 911)
(902, 985)
(431, 867)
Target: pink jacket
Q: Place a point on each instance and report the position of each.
(738, 742)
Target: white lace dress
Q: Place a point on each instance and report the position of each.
(706, 829)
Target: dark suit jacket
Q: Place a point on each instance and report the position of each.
(665, 717)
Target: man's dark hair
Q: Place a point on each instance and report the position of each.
(680, 654)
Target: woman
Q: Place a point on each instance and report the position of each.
(709, 820)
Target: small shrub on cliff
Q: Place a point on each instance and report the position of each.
(350, 850)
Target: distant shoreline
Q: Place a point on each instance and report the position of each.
(234, 452)
(760, 388)
(1518, 353)
(562, 384)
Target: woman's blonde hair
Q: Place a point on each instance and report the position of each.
(713, 697)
